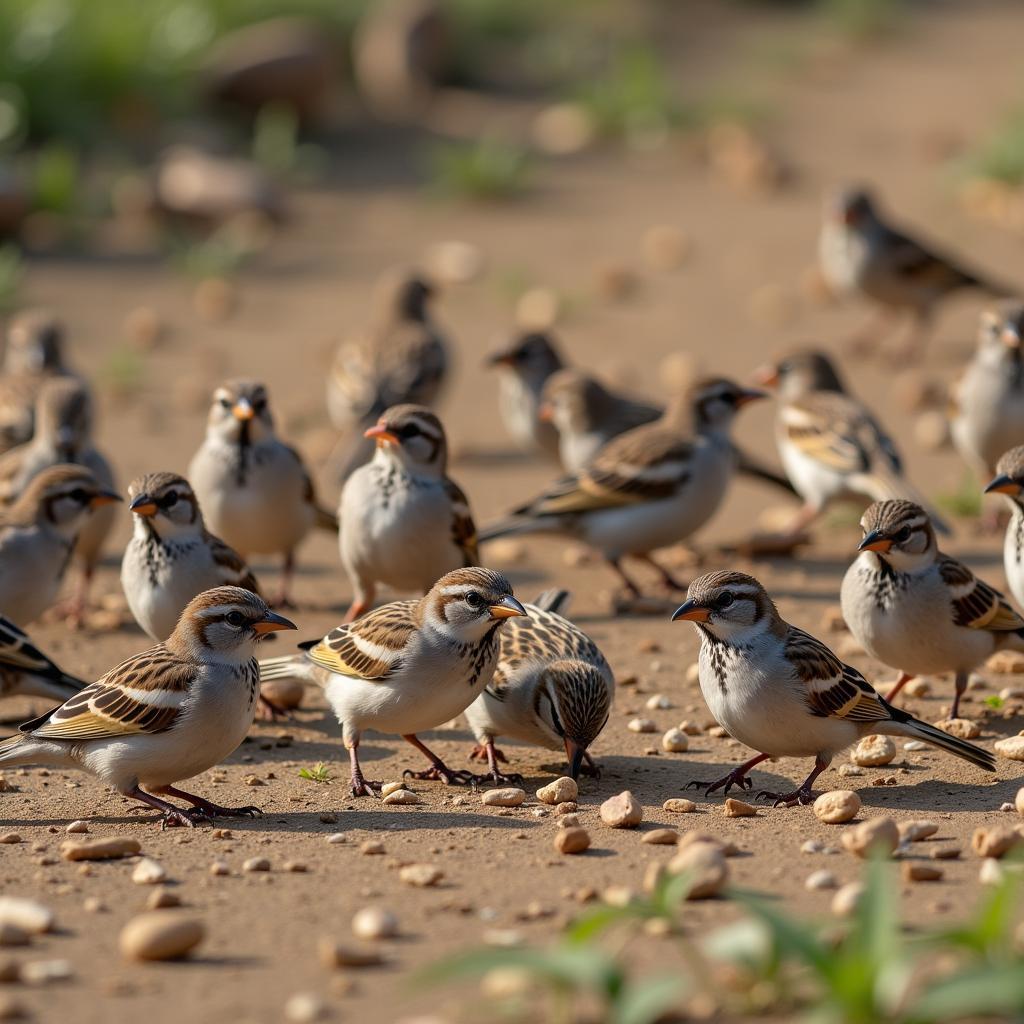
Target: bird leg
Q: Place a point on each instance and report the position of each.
(360, 787)
(904, 678)
(75, 607)
(668, 581)
(961, 686)
(590, 767)
(438, 770)
(492, 755)
(284, 599)
(803, 795)
(737, 777)
(171, 816)
(359, 606)
(211, 810)
(631, 588)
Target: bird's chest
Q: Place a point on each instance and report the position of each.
(843, 258)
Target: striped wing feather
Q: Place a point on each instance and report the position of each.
(17, 651)
(463, 527)
(371, 647)
(976, 605)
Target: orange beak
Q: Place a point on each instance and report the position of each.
(545, 412)
(1003, 485)
(104, 498)
(507, 609)
(875, 541)
(242, 411)
(143, 505)
(767, 376)
(381, 434)
(691, 612)
(271, 623)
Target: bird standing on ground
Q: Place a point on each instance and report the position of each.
(782, 692)
(63, 434)
(552, 688)
(409, 666)
(918, 610)
(646, 489)
(831, 445)
(25, 670)
(861, 253)
(523, 369)
(253, 488)
(988, 403)
(404, 522)
(38, 533)
(1010, 482)
(401, 358)
(166, 714)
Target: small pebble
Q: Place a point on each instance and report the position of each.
(336, 838)
(160, 935)
(873, 751)
(1012, 748)
(821, 880)
(622, 811)
(991, 872)
(994, 842)
(568, 807)
(876, 834)
(562, 790)
(944, 852)
(838, 806)
(707, 867)
(93, 905)
(568, 821)
(256, 864)
(962, 728)
(658, 702)
(392, 787)
(45, 972)
(295, 867)
(77, 827)
(10, 839)
(219, 867)
(641, 725)
(162, 899)
(27, 914)
(571, 840)
(1018, 802)
(374, 923)
(148, 872)
(845, 901)
(915, 871)
(675, 741)
(371, 848)
(305, 1008)
(421, 875)
(401, 797)
(916, 830)
(100, 849)
(739, 809)
(679, 805)
(661, 837)
(510, 797)
(334, 954)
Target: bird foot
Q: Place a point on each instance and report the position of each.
(737, 777)
(501, 778)
(442, 773)
(590, 768)
(364, 787)
(798, 796)
(479, 753)
(216, 811)
(183, 819)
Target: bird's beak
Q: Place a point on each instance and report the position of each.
(381, 435)
(143, 505)
(875, 541)
(271, 622)
(104, 498)
(691, 612)
(1011, 337)
(507, 608)
(748, 395)
(242, 410)
(545, 412)
(767, 376)
(1003, 484)
(500, 359)
(574, 752)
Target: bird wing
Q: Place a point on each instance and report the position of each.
(832, 688)
(920, 265)
(325, 519)
(371, 647)
(235, 571)
(17, 651)
(141, 695)
(644, 464)
(838, 431)
(977, 605)
(463, 527)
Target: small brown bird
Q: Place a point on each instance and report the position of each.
(861, 253)
(25, 670)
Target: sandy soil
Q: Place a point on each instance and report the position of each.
(857, 115)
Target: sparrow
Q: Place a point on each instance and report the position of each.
(861, 253)
(783, 692)
(33, 354)
(524, 367)
(1010, 481)
(25, 670)
(409, 665)
(404, 522)
(253, 488)
(647, 488)
(400, 358)
(63, 433)
(38, 533)
(918, 610)
(166, 714)
(551, 688)
(830, 444)
(988, 404)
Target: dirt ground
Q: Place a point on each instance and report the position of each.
(842, 115)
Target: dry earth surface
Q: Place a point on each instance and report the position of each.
(848, 114)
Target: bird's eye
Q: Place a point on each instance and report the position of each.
(258, 405)
(474, 600)
(235, 619)
(226, 403)
(726, 599)
(903, 535)
(170, 500)
(79, 495)
(409, 430)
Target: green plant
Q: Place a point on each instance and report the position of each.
(485, 169)
(318, 773)
(1001, 156)
(222, 254)
(122, 371)
(995, 701)
(965, 501)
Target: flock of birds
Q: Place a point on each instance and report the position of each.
(637, 478)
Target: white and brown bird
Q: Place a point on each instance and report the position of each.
(831, 445)
(860, 253)
(34, 353)
(552, 688)
(988, 400)
(409, 666)
(404, 521)
(782, 692)
(918, 610)
(401, 357)
(27, 671)
(63, 433)
(1009, 481)
(38, 533)
(166, 714)
(524, 367)
(646, 489)
(254, 489)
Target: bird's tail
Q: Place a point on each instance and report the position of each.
(907, 725)
(883, 486)
(287, 666)
(747, 465)
(20, 749)
(510, 527)
(553, 600)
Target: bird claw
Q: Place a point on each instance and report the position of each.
(363, 787)
(183, 819)
(734, 778)
(501, 778)
(441, 773)
(798, 796)
(248, 811)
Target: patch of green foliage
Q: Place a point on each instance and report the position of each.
(1001, 156)
(965, 501)
(320, 772)
(485, 169)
